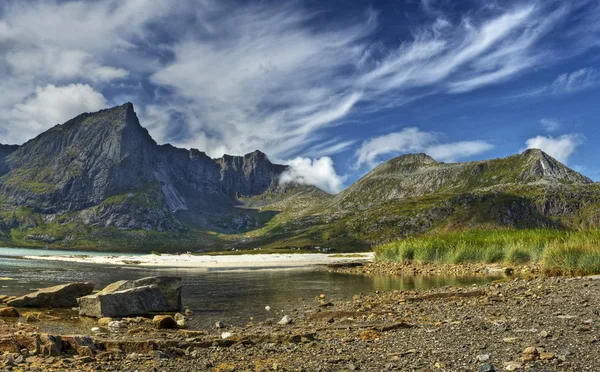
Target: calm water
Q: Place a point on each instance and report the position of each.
(232, 296)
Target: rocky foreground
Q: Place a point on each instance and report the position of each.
(517, 324)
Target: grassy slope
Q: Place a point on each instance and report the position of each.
(558, 251)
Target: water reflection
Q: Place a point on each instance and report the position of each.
(230, 295)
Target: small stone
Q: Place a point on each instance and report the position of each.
(219, 325)
(96, 329)
(512, 366)
(226, 335)
(164, 322)
(179, 317)
(530, 354)
(30, 318)
(486, 368)
(104, 321)
(9, 312)
(483, 357)
(544, 334)
(439, 365)
(116, 324)
(510, 340)
(285, 320)
(188, 312)
(268, 308)
(182, 324)
(546, 356)
(322, 296)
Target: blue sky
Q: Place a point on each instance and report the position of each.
(330, 87)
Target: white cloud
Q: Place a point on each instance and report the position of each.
(450, 152)
(253, 66)
(576, 81)
(561, 148)
(49, 106)
(550, 125)
(317, 172)
(411, 140)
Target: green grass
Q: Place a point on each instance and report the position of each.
(559, 252)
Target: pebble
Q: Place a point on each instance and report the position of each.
(268, 308)
(219, 325)
(483, 357)
(512, 366)
(164, 322)
(116, 324)
(486, 368)
(285, 320)
(226, 335)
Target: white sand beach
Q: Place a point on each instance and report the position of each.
(218, 261)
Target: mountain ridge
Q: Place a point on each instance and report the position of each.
(99, 181)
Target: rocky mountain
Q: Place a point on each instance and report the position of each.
(99, 181)
(104, 170)
(414, 194)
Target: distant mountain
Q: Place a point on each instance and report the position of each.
(414, 194)
(99, 181)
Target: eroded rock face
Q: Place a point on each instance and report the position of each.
(60, 296)
(135, 297)
(104, 169)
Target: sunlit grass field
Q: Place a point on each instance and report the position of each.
(558, 252)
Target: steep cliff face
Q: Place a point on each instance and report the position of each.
(104, 169)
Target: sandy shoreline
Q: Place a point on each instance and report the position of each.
(226, 261)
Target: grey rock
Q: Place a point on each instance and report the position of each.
(170, 287)
(486, 368)
(60, 296)
(134, 301)
(134, 297)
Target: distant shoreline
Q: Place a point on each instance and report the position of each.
(272, 260)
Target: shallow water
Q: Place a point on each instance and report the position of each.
(232, 296)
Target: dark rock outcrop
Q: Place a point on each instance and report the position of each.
(103, 169)
(60, 296)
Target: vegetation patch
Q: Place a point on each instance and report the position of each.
(558, 251)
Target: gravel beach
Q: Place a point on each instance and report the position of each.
(532, 324)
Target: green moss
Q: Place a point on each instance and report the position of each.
(35, 179)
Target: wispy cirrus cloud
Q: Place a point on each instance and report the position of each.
(411, 140)
(269, 67)
(230, 77)
(550, 125)
(576, 81)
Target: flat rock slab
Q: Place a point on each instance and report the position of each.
(60, 296)
(170, 286)
(134, 297)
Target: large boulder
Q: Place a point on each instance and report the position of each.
(136, 297)
(60, 296)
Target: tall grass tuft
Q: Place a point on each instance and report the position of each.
(559, 252)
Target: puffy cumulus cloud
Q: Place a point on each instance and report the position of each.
(410, 140)
(317, 172)
(550, 125)
(561, 148)
(50, 105)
